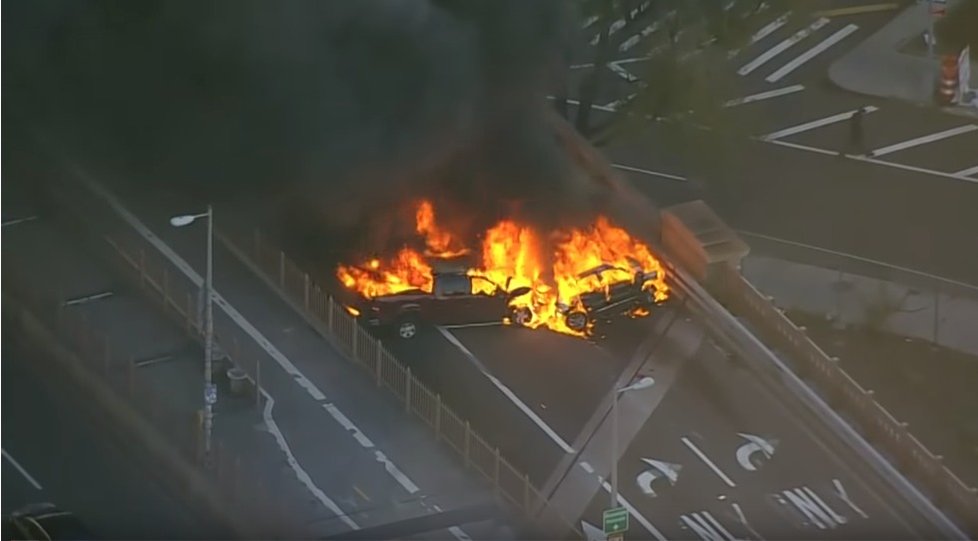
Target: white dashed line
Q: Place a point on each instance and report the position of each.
(706, 460)
(811, 53)
(764, 95)
(781, 47)
(924, 140)
(29, 477)
(794, 130)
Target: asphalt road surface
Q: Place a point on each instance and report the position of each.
(56, 449)
(909, 205)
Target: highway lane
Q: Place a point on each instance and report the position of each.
(81, 463)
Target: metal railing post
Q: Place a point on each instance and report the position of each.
(354, 341)
(379, 367)
(437, 418)
(407, 390)
(329, 314)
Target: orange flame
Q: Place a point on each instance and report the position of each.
(440, 243)
(513, 257)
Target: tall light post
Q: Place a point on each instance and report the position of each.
(210, 395)
(643, 383)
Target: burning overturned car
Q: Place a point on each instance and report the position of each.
(588, 274)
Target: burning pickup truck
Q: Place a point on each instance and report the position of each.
(451, 301)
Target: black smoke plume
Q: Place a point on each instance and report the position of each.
(349, 107)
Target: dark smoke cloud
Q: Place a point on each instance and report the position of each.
(349, 106)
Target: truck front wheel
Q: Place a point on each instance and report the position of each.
(407, 327)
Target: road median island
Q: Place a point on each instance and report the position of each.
(149, 444)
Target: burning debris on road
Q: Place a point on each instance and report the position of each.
(584, 270)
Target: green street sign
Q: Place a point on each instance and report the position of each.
(615, 520)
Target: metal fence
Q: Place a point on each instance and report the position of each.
(913, 459)
(343, 330)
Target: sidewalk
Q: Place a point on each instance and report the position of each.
(877, 67)
(880, 322)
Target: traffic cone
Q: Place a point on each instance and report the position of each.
(948, 87)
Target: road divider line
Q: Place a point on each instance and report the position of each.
(88, 298)
(764, 32)
(29, 477)
(838, 36)
(794, 130)
(923, 140)
(706, 460)
(781, 47)
(764, 95)
(16, 221)
(857, 10)
(506, 391)
(969, 172)
(648, 172)
(578, 103)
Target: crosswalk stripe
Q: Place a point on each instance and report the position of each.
(781, 47)
(846, 115)
(968, 172)
(923, 140)
(764, 95)
(811, 53)
(764, 32)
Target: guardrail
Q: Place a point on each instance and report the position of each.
(913, 459)
(332, 321)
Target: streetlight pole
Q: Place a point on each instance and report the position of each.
(209, 396)
(640, 384)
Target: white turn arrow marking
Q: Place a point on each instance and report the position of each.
(755, 444)
(592, 532)
(658, 470)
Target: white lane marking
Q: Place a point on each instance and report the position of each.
(88, 298)
(456, 531)
(764, 95)
(797, 146)
(297, 468)
(781, 47)
(845, 115)
(814, 508)
(971, 171)
(811, 53)
(506, 391)
(764, 32)
(270, 349)
(973, 287)
(844, 496)
(349, 426)
(590, 20)
(615, 27)
(912, 168)
(396, 473)
(587, 467)
(706, 527)
(16, 221)
(648, 172)
(614, 105)
(29, 477)
(622, 72)
(645, 32)
(152, 360)
(593, 106)
(922, 140)
(706, 460)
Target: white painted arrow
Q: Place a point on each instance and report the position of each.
(592, 532)
(657, 470)
(755, 444)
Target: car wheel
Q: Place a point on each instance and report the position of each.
(407, 328)
(648, 296)
(521, 316)
(577, 320)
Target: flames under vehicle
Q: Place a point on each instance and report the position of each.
(451, 301)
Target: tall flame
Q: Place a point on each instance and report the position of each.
(440, 243)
